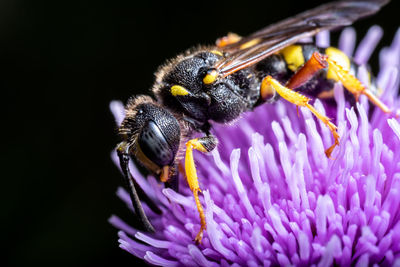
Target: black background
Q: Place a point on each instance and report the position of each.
(62, 62)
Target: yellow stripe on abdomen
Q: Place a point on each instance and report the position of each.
(340, 58)
(293, 56)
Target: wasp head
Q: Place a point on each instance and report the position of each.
(152, 132)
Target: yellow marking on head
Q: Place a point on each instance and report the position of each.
(340, 58)
(250, 43)
(210, 77)
(293, 56)
(216, 52)
(178, 90)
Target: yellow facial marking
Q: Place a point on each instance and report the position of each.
(210, 77)
(178, 90)
(216, 52)
(293, 56)
(340, 58)
(250, 43)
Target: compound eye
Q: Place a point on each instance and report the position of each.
(154, 145)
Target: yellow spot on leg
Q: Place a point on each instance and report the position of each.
(286, 93)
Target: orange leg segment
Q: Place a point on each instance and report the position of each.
(164, 176)
(308, 70)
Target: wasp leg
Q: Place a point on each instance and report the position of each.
(308, 70)
(302, 75)
(172, 180)
(204, 144)
(123, 154)
(270, 84)
(353, 85)
(164, 176)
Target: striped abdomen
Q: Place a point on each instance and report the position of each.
(283, 65)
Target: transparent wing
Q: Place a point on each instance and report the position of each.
(259, 45)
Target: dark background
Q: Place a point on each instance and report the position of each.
(62, 62)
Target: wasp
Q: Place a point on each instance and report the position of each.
(218, 83)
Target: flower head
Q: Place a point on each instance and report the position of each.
(272, 197)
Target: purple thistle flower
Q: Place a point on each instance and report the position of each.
(271, 196)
